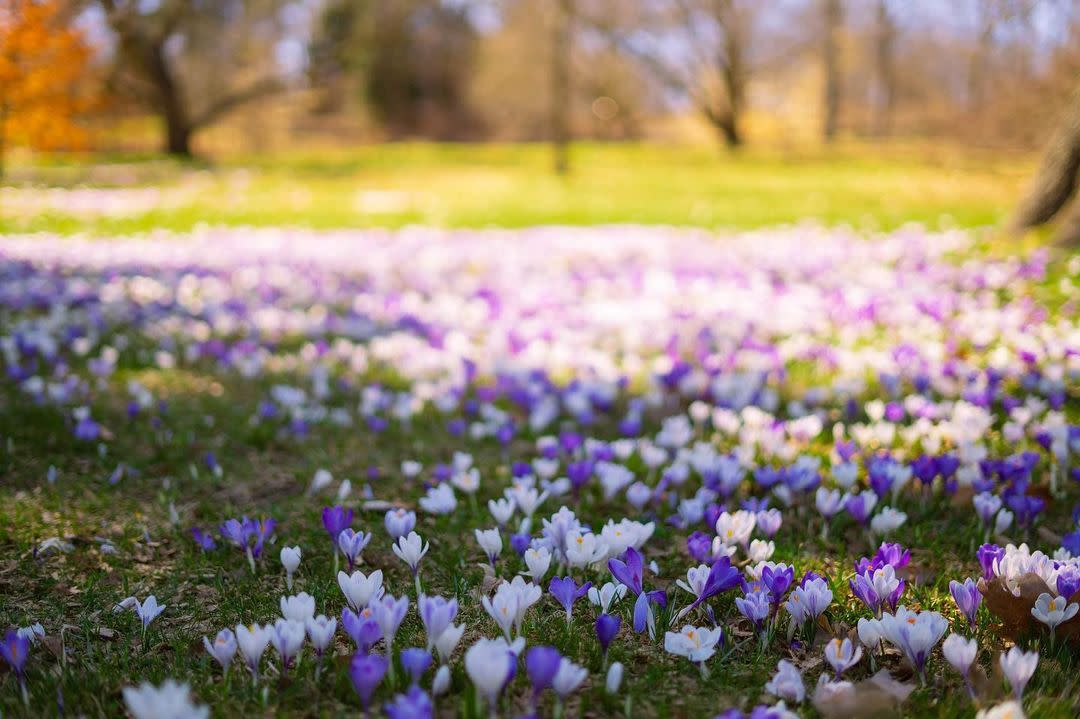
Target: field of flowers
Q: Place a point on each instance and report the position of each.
(614, 471)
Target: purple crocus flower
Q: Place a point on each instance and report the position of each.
(859, 506)
(722, 578)
(893, 554)
(413, 704)
(607, 626)
(777, 580)
(366, 672)
(566, 592)
(542, 664)
(203, 539)
(15, 650)
(987, 555)
(264, 530)
(967, 598)
(755, 607)
(361, 628)
(520, 543)
(699, 545)
(335, 520)
(239, 532)
(415, 661)
(1068, 582)
(629, 571)
(351, 544)
(437, 614)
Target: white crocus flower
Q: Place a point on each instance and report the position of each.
(299, 608)
(290, 559)
(171, 700)
(359, 588)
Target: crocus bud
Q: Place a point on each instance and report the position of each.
(614, 678)
(441, 682)
(290, 559)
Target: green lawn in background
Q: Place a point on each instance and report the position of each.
(864, 185)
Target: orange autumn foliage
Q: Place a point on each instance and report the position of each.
(43, 75)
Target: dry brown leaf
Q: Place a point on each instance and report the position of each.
(1014, 611)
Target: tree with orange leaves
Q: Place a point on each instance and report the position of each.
(43, 68)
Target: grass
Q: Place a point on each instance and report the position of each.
(864, 185)
(91, 652)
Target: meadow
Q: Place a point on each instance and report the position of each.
(683, 434)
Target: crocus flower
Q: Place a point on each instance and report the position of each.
(299, 608)
(413, 704)
(203, 539)
(437, 614)
(320, 631)
(695, 643)
(148, 610)
(15, 651)
(566, 592)
(614, 678)
(366, 671)
(607, 595)
(411, 550)
(415, 661)
(755, 606)
(960, 653)
(607, 626)
(538, 560)
(388, 614)
(335, 520)
(629, 571)
(491, 542)
(568, 678)
(222, 649)
(842, 655)
(968, 598)
(914, 634)
(1018, 667)
(542, 664)
(787, 683)
(252, 641)
(361, 628)
(351, 544)
(169, 700)
(290, 560)
(1052, 611)
(287, 637)
(359, 588)
(399, 522)
(489, 664)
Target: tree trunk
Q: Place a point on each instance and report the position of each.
(886, 40)
(733, 75)
(560, 85)
(833, 12)
(1056, 181)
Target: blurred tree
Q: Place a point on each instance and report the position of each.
(696, 47)
(193, 61)
(833, 18)
(885, 43)
(560, 84)
(43, 72)
(1056, 181)
(410, 59)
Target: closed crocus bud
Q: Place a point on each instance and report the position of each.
(614, 678)
(441, 682)
(290, 559)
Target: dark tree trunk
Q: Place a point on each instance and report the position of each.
(886, 75)
(1056, 181)
(733, 75)
(560, 85)
(833, 17)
